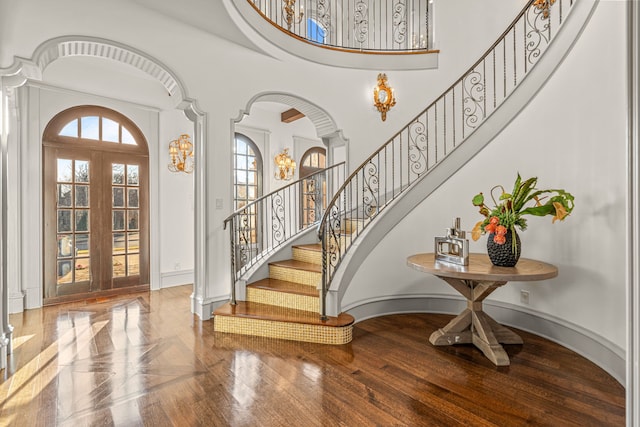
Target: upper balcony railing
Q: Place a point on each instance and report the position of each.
(354, 25)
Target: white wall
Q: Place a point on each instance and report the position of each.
(571, 136)
(176, 207)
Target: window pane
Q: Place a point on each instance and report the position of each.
(118, 197)
(118, 243)
(132, 222)
(118, 220)
(82, 270)
(90, 127)
(241, 146)
(241, 162)
(82, 171)
(251, 161)
(118, 265)
(82, 245)
(110, 131)
(64, 221)
(252, 192)
(133, 175)
(241, 192)
(133, 242)
(70, 129)
(127, 138)
(133, 201)
(82, 196)
(65, 275)
(82, 220)
(117, 173)
(241, 177)
(252, 178)
(133, 265)
(65, 245)
(64, 195)
(64, 170)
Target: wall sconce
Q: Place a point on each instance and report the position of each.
(181, 152)
(286, 166)
(383, 98)
(290, 12)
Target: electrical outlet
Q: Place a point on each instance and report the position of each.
(524, 297)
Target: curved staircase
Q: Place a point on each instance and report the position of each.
(286, 304)
(399, 175)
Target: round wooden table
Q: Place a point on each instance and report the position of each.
(475, 282)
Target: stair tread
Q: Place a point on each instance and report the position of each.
(298, 265)
(315, 247)
(258, 311)
(285, 286)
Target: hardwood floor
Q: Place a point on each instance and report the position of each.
(143, 359)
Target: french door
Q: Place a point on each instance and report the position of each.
(95, 223)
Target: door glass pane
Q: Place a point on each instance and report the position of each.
(89, 127)
(65, 245)
(133, 175)
(133, 201)
(118, 197)
(82, 196)
(82, 245)
(133, 265)
(64, 221)
(82, 270)
(118, 266)
(132, 220)
(82, 220)
(64, 195)
(110, 131)
(82, 171)
(70, 129)
(65, 274)
(127, 138)
(118, 243)
(64, 173)
(118, 220)
(117, 173)
(133, 242)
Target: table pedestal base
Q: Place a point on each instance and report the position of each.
(474, 326)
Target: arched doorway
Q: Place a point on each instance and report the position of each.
(95, 198)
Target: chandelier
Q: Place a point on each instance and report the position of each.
(286, 166)
(383, 98)
(181, 152)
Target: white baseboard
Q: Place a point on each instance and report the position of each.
(594, 347)
(176, 278)
(16, 303)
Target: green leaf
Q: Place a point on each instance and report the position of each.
(478, 200)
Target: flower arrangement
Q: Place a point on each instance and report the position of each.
(509, 210)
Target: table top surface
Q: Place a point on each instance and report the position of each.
(481, 268)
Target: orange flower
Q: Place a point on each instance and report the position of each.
(561, 212)
(490, 228)
(499, 239)
(494, 220)
(501, 230)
